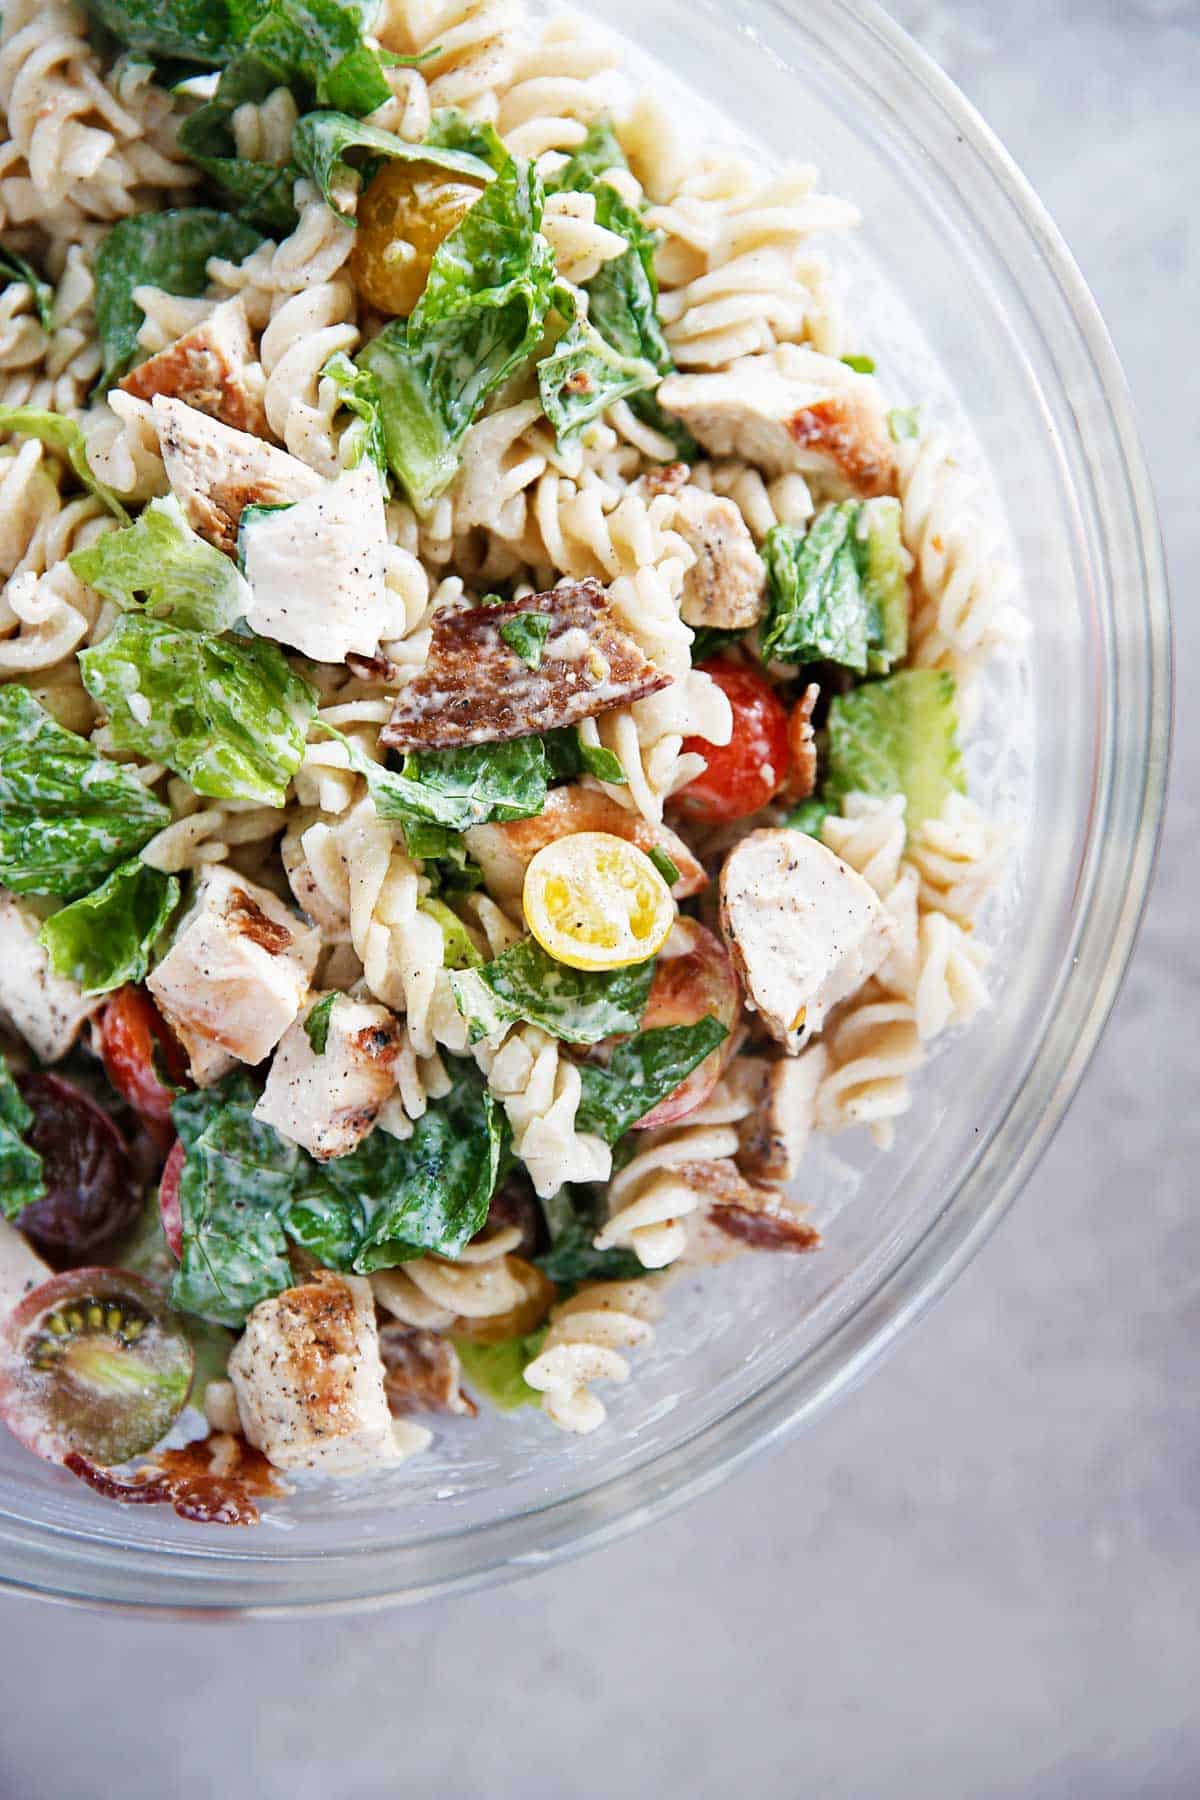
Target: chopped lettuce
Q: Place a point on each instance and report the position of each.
(167, 250)
(477, 323)
(105, 938)
(446, 859)
(710, 640)
(454, 789)
(581, 1006)
(641, 1072)
(862, 365)
(459, 952)
(584, 375)
(194, 31)
(839, 590)
(497, 1371)
(810, 816)
(67, 816)
(245, 1190)
(237, 1180)
(21, 1180)
(598, 153)
(229, 715)
(666, 865)
(324, 143)
(573, 1218)
(390, 1200)
(65, 437)
(161, 565)
(897, 736)
(316, 1023)
(315, 49)
(525, 634)
(15, 268)
(360, 396)
(904, 424)
(569, 755)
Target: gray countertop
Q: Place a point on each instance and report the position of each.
(978, 1576)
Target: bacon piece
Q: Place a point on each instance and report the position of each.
(748, 1212)
(209, 368)
(210, 1483)
(476, 690)
(422, 1372)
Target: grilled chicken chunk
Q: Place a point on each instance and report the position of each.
(217, 472)
(236, 974)
(328, 1100)
(309, 1379)
(783, 1090)
(804, 930)
(212, 368)
(790, 409)
(46, 1009)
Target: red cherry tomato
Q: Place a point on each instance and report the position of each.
(168, 1200)
(689, 987)
(136, 1045)
(750, 769)
(93, 1364)
(91, 1195)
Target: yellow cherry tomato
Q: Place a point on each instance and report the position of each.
(405, 213)
(595, 901)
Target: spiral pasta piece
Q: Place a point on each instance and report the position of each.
(467, 46)
(540, 1090)
(432, 1291)
(959, 857)
(652, 1198)
(584, 1344)
(555, 90)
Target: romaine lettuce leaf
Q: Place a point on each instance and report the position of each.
(65, 438)
(897, 736)
(459, 952)
(194, 31)
(525, 634)
(390, 1200)
(324, 143)
(168, 250)
(360, 395)
(584, 375)
(641, 1072)
(105, 938)
(316, 1023)
(478, 321)
(581, 1006)
(455, 789)
(839, 590)
(810, 816)
(315, 49)
(21, 1180)
(497, 1371)
(568, 755)
(15, 268)
(236, 1184)
(598, 153)
(227, 714)
(573, 1218)
(67, 816)
(161, 565)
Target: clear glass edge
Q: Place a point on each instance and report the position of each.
(68, 1567)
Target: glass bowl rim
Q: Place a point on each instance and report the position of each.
(73, 1566)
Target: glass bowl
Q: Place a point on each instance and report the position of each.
(750, 1353)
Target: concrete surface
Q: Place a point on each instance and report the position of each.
(979, 1576)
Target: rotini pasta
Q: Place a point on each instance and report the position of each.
(584, 1344)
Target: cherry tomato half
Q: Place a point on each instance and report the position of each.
(168, 1200)
(138, 1051)
(92, 1195)
(750, 769)
(94, 1364)
(693, 979)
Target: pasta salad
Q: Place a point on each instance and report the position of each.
(483, 663)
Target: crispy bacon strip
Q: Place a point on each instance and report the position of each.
(475, 689)
(754, 1215)
(210, 1483)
